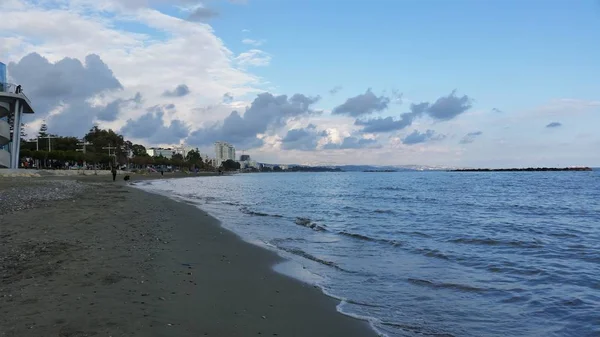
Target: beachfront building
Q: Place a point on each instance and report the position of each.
(13, 104)
(224, 151)
(159, 151)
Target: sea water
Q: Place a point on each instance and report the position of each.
(427, 253)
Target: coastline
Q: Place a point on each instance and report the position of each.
(112, 259)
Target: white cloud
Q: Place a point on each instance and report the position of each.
(253, 42)
(254, 57)
(170, 51)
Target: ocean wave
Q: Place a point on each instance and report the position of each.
(384, 211)
(306, 222)
(433, 253)
(456, 286)
(496, 242)
(231, 203)
(368, 238)
(391, 188)
(516, 271)
(308, 256)
(415, 329)
(421, 234)
(245, 210)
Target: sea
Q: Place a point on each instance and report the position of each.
(426, 253)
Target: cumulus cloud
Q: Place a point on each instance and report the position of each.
(376, 125)
(111, 111)
(227, 97)
(65, 88)
(444, 108)
(363, 104)
(448, 107)
(253, 58)
(253, 42)
(266, 112)
(417, 137)
(554, 125)
(151, 126)
(335, 90)
(470, 137)
(352, 142)
(303, 139)
(180, 91)
(202, 14)
(50, 84)
(161, 51)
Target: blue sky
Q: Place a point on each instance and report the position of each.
(518, 65)
(507, 54)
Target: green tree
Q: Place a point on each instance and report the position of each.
(138, 150)
(230, 165)
(43, 130)
(65, 144)
(193, 157)
(101, 139)
(177, 160)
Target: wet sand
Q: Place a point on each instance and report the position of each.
(111, 260)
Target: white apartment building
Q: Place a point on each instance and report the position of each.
(224, 151)
(158, 151)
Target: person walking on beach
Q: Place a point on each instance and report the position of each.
(113, 170)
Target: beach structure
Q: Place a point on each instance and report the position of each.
(224, 151)
(13, 104)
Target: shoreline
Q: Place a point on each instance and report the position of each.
(119, 260)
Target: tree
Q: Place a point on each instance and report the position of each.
(230, 165)
(193, 157)
(65, 144)
(177, 156)
(138, 150)
(106, 138)
(43, 131)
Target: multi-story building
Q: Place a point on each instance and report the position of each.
(159, 151)
(13, 103)
(224, 151)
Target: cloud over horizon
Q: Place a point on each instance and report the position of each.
(266, 112)
(470, 137)
(445, 108)
(554, 125)
(180, 91)
(417, 137)
(363, 104)
(170, 68)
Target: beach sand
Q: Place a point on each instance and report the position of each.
(110, 260)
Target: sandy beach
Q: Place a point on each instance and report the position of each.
(83, 256)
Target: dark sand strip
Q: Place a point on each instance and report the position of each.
(116, 261)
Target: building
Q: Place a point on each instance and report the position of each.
(224, 151)
(13, 103)
(159, 151)
(245, 157)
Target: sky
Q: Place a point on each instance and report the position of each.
(464, 83)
